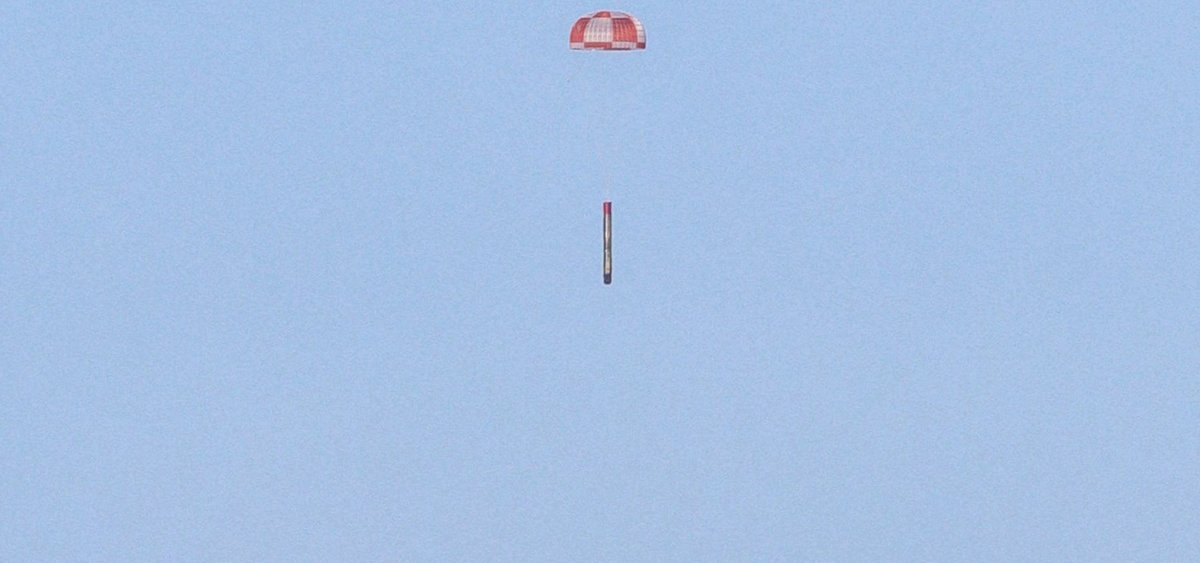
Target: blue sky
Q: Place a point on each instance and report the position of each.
(322, 282)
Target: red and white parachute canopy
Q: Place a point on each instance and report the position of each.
(608, 31)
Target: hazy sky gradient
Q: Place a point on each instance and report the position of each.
(322, 281)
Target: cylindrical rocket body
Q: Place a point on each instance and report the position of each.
(607, 242)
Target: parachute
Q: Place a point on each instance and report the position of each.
(608, 31)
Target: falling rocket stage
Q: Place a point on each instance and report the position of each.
(607, 242)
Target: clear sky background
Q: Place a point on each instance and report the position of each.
(321, 281)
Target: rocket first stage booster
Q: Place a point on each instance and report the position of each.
(607, 242)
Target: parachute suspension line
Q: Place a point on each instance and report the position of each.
(606, 159)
